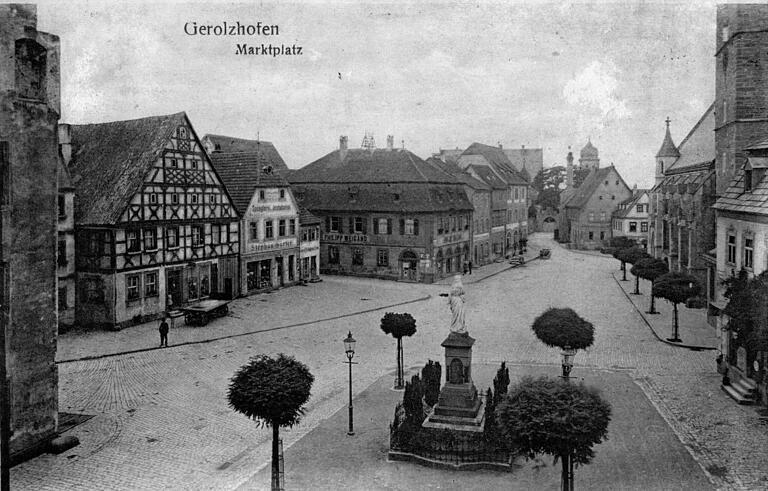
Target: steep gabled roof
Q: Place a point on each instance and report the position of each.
(496, 157)
(307, 218)
(230, 144)
(698, 146)
(243, 172)
(452, 168)
(488, 176)
(584, 192)
(378, 165)
(626, 206)
(110, 161)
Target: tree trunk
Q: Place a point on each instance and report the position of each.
(624, 271)
(676, 325)
(653, 304)
(637, 285)
(399, 381)
(275, 458)
(564, 481)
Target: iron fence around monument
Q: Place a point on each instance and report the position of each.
(453, 452)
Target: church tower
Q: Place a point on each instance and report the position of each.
(666, 155)
(741, 84)
(589, 157)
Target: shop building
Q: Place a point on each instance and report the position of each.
(386, 213)
(269, 239)
(155, 228)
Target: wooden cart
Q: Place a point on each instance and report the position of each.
(198, 314)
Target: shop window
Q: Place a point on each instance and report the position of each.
(251, 275)
(150, 284)
(357, 256)
(205, 282)
(382, 257)
(132, 287)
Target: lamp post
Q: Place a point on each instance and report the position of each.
(349, 348)
(567, 361)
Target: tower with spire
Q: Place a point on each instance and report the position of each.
(666, 155)
(589, 156)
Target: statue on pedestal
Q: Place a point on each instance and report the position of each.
(456, 302)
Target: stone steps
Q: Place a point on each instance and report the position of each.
(742, 391)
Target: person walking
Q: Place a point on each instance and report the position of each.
(465, 267)
(164, 332)
(470, 266)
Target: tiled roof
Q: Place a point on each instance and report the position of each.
(736, 199)
(488, 176)
(626, 206)
(668, 148)
(229, 144)
(243, 172)
(499, 160)
(589, 186)
(307, 218)
(110, 161)
(415, 197)
(379, 165)
(453, 169)
(698, 146)
(686, 180)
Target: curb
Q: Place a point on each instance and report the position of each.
(249, 333)
(692, 347)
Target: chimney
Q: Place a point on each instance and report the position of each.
(390, 142)
(65, 143)
(343, 146)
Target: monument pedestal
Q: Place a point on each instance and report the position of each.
(458, 407)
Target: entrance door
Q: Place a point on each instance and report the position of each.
(173, 288)
(228, 288)
(280, 280)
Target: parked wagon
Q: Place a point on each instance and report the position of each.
(200, 313)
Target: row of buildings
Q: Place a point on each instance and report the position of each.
(709, 206)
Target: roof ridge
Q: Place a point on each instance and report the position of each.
(144, 118)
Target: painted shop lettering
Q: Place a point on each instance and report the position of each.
(227, 29)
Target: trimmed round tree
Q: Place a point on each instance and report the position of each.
(633, 258)
(629, 255)
(564, 329)
(554, 417)
(273, 392)
(650, 268)
(675, 287)
(398, 325)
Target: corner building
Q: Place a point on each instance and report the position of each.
(386, 213)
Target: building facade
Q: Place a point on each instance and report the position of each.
(29, 159)
(155, 227)
(309, 244)
(631, 218)
(269, 218)
(386, 213)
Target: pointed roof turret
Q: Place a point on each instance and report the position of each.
(668, 148)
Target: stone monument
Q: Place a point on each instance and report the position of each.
(458, 407)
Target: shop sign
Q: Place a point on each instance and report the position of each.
(262, 208)
(447, 239)
(353, 238)
(271, 246)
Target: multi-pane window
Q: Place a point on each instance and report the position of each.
(357, 256)
(253, 231)
(150, 284)
(591, 216)
(382, 257)
(150, 239)
(281, 228)
(643, 226)
(132, 240)
(639, 208)
(333, 255)
(224, 234)
(748, 252)
(197, 236)
(633, 226)
(268, 229)
(292, 227)
(215, 233)
(359, 225)
(730, 249)
(94, 243)
(517, 196)
(132, 287)
(172, 237)
(335, 224)
(409, 227)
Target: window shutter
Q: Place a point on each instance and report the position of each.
(389, 226)
(351, 226)
(376, 226)
(402, 226)
(327, 224)
(415, 226)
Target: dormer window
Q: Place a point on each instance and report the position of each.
(748, 180)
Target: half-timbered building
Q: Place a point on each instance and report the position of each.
(269, 239)
(154, 225)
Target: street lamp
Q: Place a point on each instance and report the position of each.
(567, 361)
(349, 348)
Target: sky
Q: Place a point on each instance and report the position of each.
(436, 75)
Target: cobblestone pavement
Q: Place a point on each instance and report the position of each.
(162, 420)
